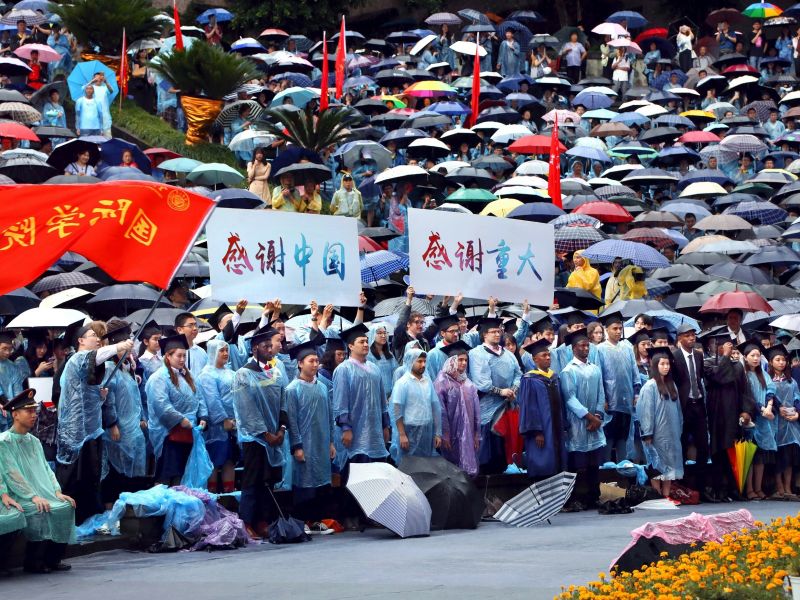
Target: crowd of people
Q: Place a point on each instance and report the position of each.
(700, 129)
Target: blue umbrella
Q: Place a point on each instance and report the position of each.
(124, 174)
(361, 80)
(180, 165)
(300, 97)
(673, 155)
(681, 208)
(296, 79)
(247, 44)
(522, 34)
(668, 319)
(380, 264)
(511, 84)
(763, 212)
(601, 114)
(630, 118)
(111, 154)
(633, 18)
(84, 72)
(450, 109)
(642, 255)
(656, 287)
(222, 15)
(588, 153)
(727, 200)
(700, 175)
(674, 121)
(592, 100)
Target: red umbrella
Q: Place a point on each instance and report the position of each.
(745, 301)
(534, 144)
(11, 129)
(159, 155)
(657, 32)
(740, 70)
(607, 212)
(274, 33)
(366, 244)
(649, 235)
(699, 137)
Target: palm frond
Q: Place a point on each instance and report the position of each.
(305, 129)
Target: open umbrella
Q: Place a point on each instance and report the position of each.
(538, 502)
(84, 72)
(381, 264)
(17, 301)
(124, 297)
(391, 498)
(640, 254)
(744, 301)
(607, 212)
(47, 317)
(215, 174)
(577, 298)
(723, 223)
(112, 150)
(67, 152)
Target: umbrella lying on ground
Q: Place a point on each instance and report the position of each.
(538, 502)
(391, 498)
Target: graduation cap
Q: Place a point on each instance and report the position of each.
(214, 319)
(720, 336)
(748, 346)
(777, 350)
(263, 334)
(660, 352)
(536, 347)
(611, 318)
(24, 399)
(487, 323)
(542, 325)
(575, 337)
(660, 333)
(573, 317)
(300, 351)
(333, 344)
(117, 331)
(456, 348)
(150, 329)
(445, 323)
(281, 318)
(173, 342)
(639, 337)
(349, 336)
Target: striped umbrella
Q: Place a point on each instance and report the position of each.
(640, 254)
(381, 264)
(576, 237)
(391, 498)
(538, 502)
(649, 235)
(575, 220)
(763, 212)
(443, 18)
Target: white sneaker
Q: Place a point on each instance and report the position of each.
(320, 529)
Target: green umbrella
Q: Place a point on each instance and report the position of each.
(215, 174)
(471, 195)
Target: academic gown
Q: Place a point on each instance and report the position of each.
(308, 407)
(82, 412)
(259, 401)
(168, 406)
(360, 406)
(128, 456)
(787, 395)
(727, 396)
(11, 381)
(542, 411)
(582, 393)
(416, 402)
(24, 473)
(461, 420)
(661, 419)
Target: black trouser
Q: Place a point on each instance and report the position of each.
(43, 554)
(720, 476)
(574, 74)
(695, 432)
(256, 506)
(6, 544)
(310, 504)
(587, 483)
(81, 480)
(685, 60)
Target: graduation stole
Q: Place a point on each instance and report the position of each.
(549, 373)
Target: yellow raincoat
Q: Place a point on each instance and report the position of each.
(585, 277)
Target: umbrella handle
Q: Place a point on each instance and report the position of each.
(278, 506)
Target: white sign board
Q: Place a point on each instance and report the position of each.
(478, 256)
(264, 254)
(43, 387)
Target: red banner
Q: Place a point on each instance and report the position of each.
(178, 32)
(554, 174)
(123, 68)
(324, 81)
(341, 57)
(476, 84)
(133, 230)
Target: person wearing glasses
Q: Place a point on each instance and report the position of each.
(196, 357)
(410, 327)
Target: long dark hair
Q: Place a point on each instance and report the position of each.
(173, 377)
(758, 371)
(328, 360)
(666, 386)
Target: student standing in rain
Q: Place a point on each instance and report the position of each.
(196, 357)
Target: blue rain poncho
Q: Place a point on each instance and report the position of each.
(582, 392)
(150, 363)
(341, 453)
(401, 368)
(259, 398)
(491, 372)
(236, 356)
(386, 366)
(168, 406)
(436, 360)
(11, 380)
(787, 395)
(310, 413)
(765, 432)
(103, 97)
(128, 456)
(82, 412)
(289, 365)
(24, 473)
(216, 388)
(196, 359)
(661, 419)
(509, 58)
(621, 380)
(415, 401)
(561, 356)
(360, 406)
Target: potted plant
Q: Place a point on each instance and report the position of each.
(203, 76)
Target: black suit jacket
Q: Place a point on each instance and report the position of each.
(681, 374)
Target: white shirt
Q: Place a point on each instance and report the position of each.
(691, 365)
(740, 337)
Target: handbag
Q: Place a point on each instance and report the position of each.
(180, 435)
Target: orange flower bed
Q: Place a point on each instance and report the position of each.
(749, 565)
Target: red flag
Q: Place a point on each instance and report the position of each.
(323, 99)
(476, 84)
(554, 175)
(178, 32)
(123, 67)
(341, 55)
(134, 231)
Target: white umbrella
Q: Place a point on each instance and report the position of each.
(533, 167)
(399, 173)
(791, 96)
(600, 89)
(47, 317)
(420, 45)
(790, 322)
(391, 498)
(597, 182)
(651, 110)
(680, 91)
(700, 189)
(538, 502)
(521, 192)
(63, 296)
(508, 133)
(488, 126)
(429, 143)
(250, 139)
(613, 29)
(450, 165)
(619, 171)
(526, 180)
(450, 207)
(468, 48)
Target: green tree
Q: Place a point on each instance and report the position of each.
(305, 129)
(99, 23)
(296, 16)
(205, 70)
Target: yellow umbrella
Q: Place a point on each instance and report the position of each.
(501, 207)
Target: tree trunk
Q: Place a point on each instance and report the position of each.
(563, 12)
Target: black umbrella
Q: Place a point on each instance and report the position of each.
(427, 120)
(686, 301)
(164, 317)
(470, 175)
(124, 297)
(371, 106)
(500, 114)
(64, 281)
(393, 78)
(577, 298)
(17, 301)
(66, 153)
(379, 234)
(660, 134)
(57, 132)
(73, 179)
(455, 501)
(739, 272)
(403, 137)
(25, 169)
(236, 198)
(292, 155)
(703, 259)
(9, 95)
(402, 37)
(42, 95)
(631, 308)
(381, 46)
(306, 171)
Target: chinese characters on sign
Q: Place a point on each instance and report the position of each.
(298, 257)
(512, 260)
